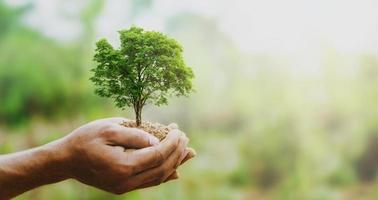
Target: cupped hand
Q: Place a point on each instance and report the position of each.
(117, 159)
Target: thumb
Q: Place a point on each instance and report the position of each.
(132, 138)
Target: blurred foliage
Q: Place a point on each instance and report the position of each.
(8, 17)
(34, 79)
(260, 130)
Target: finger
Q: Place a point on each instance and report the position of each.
(160, 172)
(116, 120)
(150, 157)
(150, 184)
(173, 126)
(191, 154)
(156, 182)
(131, 138)
(183, 157)
(174, 175)
(184, 153)
(175, 158)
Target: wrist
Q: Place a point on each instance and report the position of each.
(58, 159)
(25, 170)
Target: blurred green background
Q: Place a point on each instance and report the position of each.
(286, 102)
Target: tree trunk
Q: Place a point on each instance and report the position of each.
(138, 118)
(138, 114)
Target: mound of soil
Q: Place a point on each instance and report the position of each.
(156, 129)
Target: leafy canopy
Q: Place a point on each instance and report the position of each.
(147, 68)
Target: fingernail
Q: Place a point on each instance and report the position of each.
(154, 141)
(192, 152)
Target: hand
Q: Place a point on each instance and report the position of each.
(118, 159)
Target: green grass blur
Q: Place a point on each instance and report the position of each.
(260, 132)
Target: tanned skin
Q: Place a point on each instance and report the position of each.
(102, 154)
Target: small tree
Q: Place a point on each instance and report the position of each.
(147, 68)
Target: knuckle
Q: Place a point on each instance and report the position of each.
(161, 173)
(107, 130)
(177, 142)
(159, 157)
(127, 169)
(166, 169)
